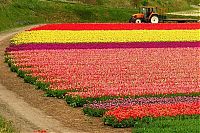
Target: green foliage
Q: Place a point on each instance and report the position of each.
(94, 112)
(146, 124)
(172, 5)
(6, 126)
(55, 93)
(112, 121)
(180, 124)
(30, 79)
(42, 85)
(9, 61)
(85, 13)
(13, 68)
(75, 101)
(100, 2)
(6, 58)
(22, 12)
(144, 2)
(93, 13)
(16, 13)
(21, 73)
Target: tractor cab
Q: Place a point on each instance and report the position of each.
(147, 11)
(147, 14)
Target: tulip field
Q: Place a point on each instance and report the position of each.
(127, 73)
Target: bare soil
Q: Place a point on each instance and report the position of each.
(30, 110)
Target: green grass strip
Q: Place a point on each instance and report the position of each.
(56, 93)
(6, 126)
(152, 124)
(170, 125)
(94, 111)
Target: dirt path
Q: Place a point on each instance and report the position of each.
(32, 118)
(195, 12)
(30, 110)
(26, 117)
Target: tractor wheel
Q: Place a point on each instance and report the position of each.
(154, 19)
(138, 21)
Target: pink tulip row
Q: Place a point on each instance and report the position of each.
(114, 72)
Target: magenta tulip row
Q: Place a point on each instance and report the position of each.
(103, 45)
(122, 102)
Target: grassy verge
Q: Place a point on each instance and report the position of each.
(170, 125)
(179, 124)
(6, 126)
(18, 13)
(22, 12)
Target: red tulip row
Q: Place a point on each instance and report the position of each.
(118, 26)
(154, 110)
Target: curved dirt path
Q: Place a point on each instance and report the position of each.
(195, 12)
(31, 111)
(32, 119)
(25, 117)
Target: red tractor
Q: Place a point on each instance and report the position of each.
(147, 14)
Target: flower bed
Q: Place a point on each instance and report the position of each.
(126, 45)
(120, 115)
(92, 36)
(99, 108)
(118, 26)
(96, 62)
(95, 73)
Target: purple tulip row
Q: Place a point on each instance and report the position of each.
(103, 45)
(109, 104)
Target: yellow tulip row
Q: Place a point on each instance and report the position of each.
(89, 36)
